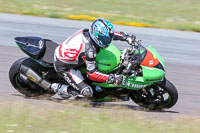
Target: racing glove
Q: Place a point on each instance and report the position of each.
(115, 79)
(129, 38)
(122, 36)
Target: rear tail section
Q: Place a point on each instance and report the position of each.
(32, 46)
(41, 50)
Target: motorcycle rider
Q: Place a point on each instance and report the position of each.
(82, 47)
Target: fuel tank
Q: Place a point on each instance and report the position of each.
(108, 59)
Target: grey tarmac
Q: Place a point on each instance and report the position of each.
(180, 50)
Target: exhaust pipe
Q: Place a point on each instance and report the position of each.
(35, 77)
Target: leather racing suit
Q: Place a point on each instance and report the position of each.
(74, 52)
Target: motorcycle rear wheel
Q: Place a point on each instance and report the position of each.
(162, 95)
(26, 87)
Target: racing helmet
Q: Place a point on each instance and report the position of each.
(101, 32)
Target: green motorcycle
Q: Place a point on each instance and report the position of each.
(143, 68)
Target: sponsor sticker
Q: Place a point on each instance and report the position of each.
(136, 85)
(31, 78)
(151, 62)
(40, 44)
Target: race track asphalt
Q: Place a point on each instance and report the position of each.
(180, 50)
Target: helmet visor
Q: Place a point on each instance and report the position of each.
(105, 40)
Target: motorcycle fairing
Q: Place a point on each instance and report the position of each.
(157, 55)
(150, 60)
(40, 50)
(149, 76)
(32, 46)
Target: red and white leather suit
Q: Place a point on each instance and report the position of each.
(74, 52)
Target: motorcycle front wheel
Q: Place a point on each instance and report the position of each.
(161, 95)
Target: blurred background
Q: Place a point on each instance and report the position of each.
(171, 26)
(172, 14)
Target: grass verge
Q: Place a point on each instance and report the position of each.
(74, 118)
(172, 14)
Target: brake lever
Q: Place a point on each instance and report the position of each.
(137, 43)
(132, 49)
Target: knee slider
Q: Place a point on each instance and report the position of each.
(87, 91)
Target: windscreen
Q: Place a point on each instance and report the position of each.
(140, 52)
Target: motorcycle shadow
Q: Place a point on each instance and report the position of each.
(106, 105)
(128, 106)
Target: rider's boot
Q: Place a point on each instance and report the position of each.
(66, 91)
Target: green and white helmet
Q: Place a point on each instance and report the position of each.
(101, 32)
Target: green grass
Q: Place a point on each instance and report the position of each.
(172, 14)
(75, 118)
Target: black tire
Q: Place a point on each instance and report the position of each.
(167, 88)
(28, 88)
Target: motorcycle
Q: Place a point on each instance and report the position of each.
(143, 68)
